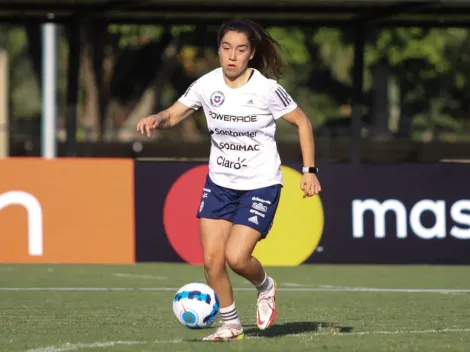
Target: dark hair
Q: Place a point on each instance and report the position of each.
(267, 58)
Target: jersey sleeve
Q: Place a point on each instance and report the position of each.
(280, 102)
(191, 97)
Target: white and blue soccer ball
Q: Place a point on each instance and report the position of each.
(196, 305)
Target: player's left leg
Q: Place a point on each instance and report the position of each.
(251, 223)
(238, 252)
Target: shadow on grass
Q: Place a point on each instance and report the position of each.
(293, 328)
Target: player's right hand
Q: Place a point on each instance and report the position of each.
(146, 124)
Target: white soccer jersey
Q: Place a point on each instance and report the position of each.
(242, 125)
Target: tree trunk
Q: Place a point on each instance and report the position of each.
(380, 103)
(91, 109)
(33, 32)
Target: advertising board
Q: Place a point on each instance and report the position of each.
(66, 211)
(385, 214)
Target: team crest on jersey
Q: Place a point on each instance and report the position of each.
(217, 99)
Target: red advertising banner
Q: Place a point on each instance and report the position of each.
(167, 228)
(66, 211)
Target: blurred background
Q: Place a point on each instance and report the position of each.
(381, 81)
(386, 84)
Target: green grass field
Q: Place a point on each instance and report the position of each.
(52, 308)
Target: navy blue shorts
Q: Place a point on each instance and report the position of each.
(253, 208)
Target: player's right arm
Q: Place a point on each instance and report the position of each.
(165, 119)
(181, 109)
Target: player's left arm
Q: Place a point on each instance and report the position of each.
(283, 106)
(310, 183)
(300, 120)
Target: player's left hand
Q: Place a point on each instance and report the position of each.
(310, 185)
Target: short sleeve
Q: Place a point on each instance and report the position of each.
(191, 98)
(280, 102)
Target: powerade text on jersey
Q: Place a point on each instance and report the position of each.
(242, 126)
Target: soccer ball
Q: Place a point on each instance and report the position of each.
(196, 305)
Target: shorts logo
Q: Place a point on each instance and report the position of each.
(254, 220)
(201, 206)
(256, 199)
(217, 99)
(253, 211)
(204, 195)
(259, 206)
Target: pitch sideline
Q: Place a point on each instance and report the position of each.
(75, 347)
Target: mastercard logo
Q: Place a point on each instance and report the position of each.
(296, 232)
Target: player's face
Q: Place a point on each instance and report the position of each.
(234, 52)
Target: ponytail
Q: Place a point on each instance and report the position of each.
(267, 58)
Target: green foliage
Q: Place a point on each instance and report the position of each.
(292, 42)
(431, 66)
(131, 34)
(25, 92)
(429, 63)
(335, 54)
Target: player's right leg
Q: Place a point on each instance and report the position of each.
(214, 234)
(215, 213)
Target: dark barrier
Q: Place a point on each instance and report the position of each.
(396, 214)
(388, 214)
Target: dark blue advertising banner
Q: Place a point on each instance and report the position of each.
(380, 214)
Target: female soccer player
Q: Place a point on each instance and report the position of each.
(242, 190)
